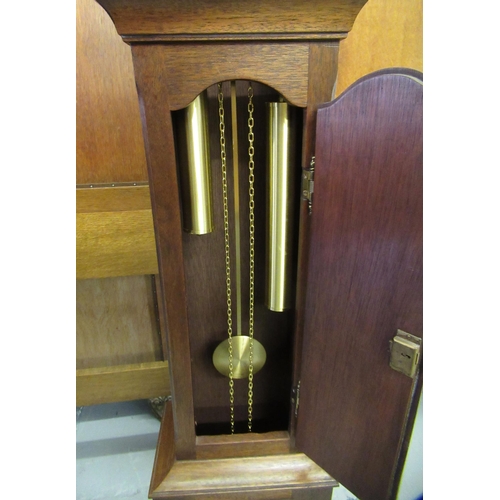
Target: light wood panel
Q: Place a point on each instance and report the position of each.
(115, 244)
(122, 383)
(110, 147)
(386, 33)
(114, 232)
(116, 322)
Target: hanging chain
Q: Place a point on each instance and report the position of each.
(251, 193)
(226, 247)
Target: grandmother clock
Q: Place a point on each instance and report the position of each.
(289, 241)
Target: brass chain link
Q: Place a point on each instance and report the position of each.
(251, 179)
(227, 248)
(251, 192)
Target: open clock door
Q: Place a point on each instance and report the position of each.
(364, 283)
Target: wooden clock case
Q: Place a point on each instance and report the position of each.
(327, 398)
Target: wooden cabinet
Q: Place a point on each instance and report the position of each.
(327, 403)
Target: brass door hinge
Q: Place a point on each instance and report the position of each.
(307, 187)
(405, 353)
(296, 398)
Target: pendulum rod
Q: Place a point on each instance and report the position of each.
(237, 232)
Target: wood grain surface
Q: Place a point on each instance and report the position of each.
(112, 384)
(109, 145)
(165, 448)
(156, 117)
(365, 281)
(115, 244)
(386, 33)
(116, 322)
(178, 17)
(242, 445)
(121, 198)
(243, 477)
(323, 61)
(109, 140)
(114, 232)
(217, 62)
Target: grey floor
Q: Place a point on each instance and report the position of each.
(115, 449)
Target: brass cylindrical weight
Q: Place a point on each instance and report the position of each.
(194, 167)
(280, 209)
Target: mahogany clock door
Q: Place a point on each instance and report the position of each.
(364, 282)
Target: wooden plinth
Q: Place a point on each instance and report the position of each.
(266, 477)
(270, 475)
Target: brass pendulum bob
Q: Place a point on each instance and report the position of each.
(238, 356)
(241, 356)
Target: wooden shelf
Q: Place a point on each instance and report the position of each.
(122, 383)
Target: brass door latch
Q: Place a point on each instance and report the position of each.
(405, 353)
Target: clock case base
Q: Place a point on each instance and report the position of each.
(242, 466)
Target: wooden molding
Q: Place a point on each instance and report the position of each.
(270, 477)
(209, 17)
(122, 383)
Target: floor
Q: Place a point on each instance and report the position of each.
(115, 449)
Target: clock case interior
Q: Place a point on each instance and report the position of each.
(204, 268)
